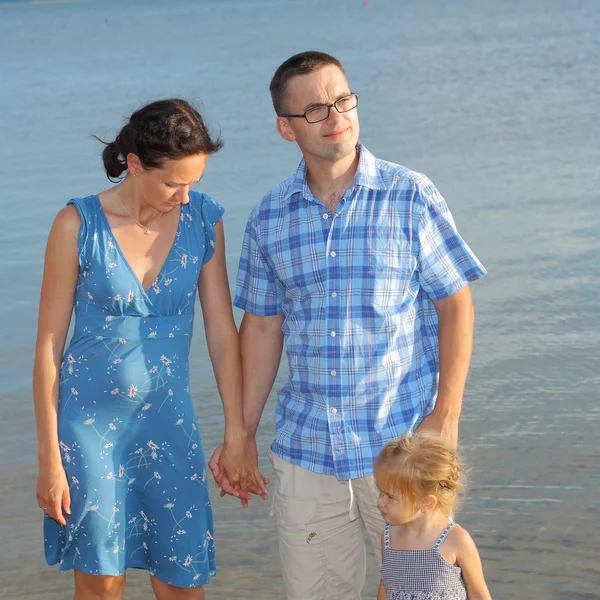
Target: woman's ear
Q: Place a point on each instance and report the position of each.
(134, 164)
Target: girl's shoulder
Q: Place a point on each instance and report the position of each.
(458, 535)
(459, 541)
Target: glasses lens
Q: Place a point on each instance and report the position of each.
(319, 113)
(346, 103)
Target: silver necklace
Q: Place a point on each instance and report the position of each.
(146, 228)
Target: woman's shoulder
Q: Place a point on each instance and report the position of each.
(68, 219)
(196, 198)
(84, 206)
(206, 205)
(199, 199)
(85, 201)
(77, 213)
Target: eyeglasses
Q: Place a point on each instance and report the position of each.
(321, 112)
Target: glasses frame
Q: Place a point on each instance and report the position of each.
(328, 106)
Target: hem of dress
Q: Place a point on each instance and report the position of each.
(200, 582)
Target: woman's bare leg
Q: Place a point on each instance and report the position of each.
(164, 591)
(98, 587)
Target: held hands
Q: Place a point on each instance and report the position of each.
(234, 466)
(53, 493)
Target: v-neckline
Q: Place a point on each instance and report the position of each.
(122, 254)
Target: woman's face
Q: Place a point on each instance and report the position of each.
(167, 186)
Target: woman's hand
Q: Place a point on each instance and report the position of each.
(234, 463)
(53, 493)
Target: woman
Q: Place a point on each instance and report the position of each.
(122, 473)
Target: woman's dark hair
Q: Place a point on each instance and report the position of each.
(299, 64)
(163, 130)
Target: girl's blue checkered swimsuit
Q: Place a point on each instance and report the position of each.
(421, 574)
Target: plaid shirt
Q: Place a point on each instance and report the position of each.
(356, 290)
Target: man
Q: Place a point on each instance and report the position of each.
(356, 265)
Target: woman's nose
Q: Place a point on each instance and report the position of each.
(183, 195)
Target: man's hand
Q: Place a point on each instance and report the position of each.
(256, 485)
(446, 427)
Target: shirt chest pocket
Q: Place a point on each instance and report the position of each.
(391, 267)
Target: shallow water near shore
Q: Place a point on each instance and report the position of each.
(496, 102)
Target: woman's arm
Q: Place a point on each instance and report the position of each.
(467, 558)
(223, 343)
(261, 342)
(59, 282)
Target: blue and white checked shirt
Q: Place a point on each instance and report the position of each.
(356, 289)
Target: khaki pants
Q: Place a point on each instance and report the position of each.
(322, 524)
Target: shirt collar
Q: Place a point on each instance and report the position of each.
(367, 175)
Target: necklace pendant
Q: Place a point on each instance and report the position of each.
(147, 232)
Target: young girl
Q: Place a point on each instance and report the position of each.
(426, 556)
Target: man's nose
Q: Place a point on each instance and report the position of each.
(334, 115)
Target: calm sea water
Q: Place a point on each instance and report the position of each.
(496, 101)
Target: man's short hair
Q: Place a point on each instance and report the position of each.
(299, 64)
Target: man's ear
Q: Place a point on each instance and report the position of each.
(284, 129)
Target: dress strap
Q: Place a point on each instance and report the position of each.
(386, 537)
(86, 209)
(443, 536)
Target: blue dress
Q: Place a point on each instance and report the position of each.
(128, 433)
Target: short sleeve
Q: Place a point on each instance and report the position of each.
(212, 212)
(82, 238)
(258, 291)
(445, 262)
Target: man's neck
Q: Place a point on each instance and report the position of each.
(328, 181)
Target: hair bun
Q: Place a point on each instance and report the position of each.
(160, 131)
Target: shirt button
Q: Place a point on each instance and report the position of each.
(332, 254)
(334, 411)
(326, 216)
(333, 334)
(334, 294)
(334, 373)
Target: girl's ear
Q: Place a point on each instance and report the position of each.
(428, 504)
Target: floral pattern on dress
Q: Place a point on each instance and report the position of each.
(128, 434)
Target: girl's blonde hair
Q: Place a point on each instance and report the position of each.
(418, 466)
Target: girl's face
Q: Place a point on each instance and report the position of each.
(396, 510)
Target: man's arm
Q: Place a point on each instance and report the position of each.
(455, 322)
(261, 341)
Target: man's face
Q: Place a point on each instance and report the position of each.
(332, 139)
